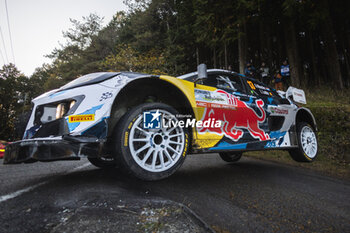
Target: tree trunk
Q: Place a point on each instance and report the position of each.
(280, 52)
(242, 47)
(225, 49)
(332, 53)
(214, 56)
(345, 54)
(269, 39)
(292, 52)
(315, 71)
(347, 64)
(197, 56)
(262, 55)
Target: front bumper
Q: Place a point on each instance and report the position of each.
(51, 149)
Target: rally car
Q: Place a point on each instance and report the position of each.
(147, 124)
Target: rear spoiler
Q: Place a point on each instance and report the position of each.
(294, 94)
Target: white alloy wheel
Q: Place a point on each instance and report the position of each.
(156, 150)
(308, 141)
(306, 151)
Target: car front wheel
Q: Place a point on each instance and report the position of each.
(151, 153)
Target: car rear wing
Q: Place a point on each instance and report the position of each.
(294, 94)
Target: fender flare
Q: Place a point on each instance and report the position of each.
(306, 114)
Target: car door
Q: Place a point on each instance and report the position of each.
(230, 103)
(278, 110)
(250, 115)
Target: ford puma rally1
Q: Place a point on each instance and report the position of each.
(147, 124)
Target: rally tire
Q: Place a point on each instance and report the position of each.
(307, 144)
(145, 153)
(230, 157)
(103, 163)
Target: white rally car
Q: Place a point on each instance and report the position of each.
(147, 124)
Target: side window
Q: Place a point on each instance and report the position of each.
(225, 82)
(259, 89)
(237, 83)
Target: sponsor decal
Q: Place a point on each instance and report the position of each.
(186, 144)
(251, 85)
(131, 123)
(261, 87)
(73, 125)
(126, 138)
(81, 118)
(213, 99)
(277, 139)
(278, 111)
(233, 121)
(106, 95)
(263, 92)
(227, 146)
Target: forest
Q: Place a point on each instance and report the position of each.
(174, 36)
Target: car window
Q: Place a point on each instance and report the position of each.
(237, 82)
(258, 88)
(224, 81)
(263, 91)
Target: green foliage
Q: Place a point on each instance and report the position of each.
(130, 60)
(332, 114)
(78, 56)
(13, 86)
(37, 81)
(334, 131)
(82, 34)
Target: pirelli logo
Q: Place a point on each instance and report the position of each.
(81, 118)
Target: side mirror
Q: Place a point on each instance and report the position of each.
(202, 73)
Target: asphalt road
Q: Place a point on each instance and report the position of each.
(248, 196)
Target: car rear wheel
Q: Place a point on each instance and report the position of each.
(307, 144)
(231, 156)
(150, 153)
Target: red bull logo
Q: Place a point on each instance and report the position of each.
(236, 119)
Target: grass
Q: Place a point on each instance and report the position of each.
(327, 96)
(322, 164)
(331, 109)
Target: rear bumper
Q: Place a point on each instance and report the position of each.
(51, 149)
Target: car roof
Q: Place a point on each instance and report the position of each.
(209, 71)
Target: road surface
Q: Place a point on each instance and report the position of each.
(248, 196)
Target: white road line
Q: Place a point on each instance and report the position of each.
(30, 188)
(19, 192)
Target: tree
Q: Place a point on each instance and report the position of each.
(178, 35)
(127, 59)
(13, 85)
(74, 58)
